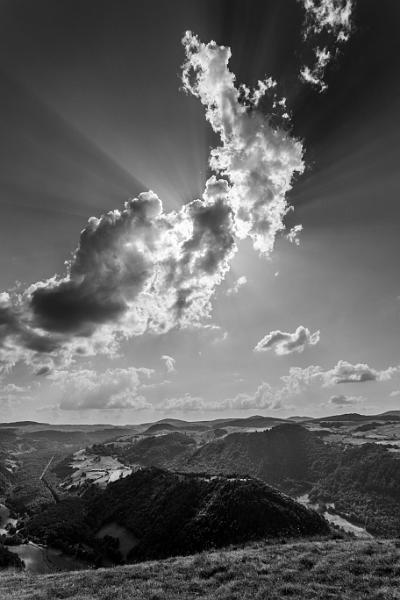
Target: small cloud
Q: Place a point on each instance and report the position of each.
(45, 370)
(155, 385)
(220, 338)
(293, 235)
(240, 282)
(12, 388)
(395, 394)
(285, 343)
(169, 362)
(342, 400)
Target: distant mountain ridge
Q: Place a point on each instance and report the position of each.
(257, 421)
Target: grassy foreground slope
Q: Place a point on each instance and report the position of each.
(346, 570)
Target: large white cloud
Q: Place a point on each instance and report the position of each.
(257, 159)
(142, 269)
(282, 342)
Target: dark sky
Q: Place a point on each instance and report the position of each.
(91, 113)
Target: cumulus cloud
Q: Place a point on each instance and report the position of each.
(169, 362)
(240, 282)
(257, 159)
(142, 269)
(343, 372)
(285, 343)
(342, 400)
(265, 397)
(327, 26)
(186, 403)
(86, 389)
(298, 380)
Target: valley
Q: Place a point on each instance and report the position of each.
(128, 494)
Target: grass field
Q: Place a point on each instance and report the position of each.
(347, 570)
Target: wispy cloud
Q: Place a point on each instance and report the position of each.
(342, 400)
(327, 26)
(239, 283)
(169, 362)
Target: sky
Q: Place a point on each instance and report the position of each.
(199, 209)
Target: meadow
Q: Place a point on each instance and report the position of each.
(318, 569)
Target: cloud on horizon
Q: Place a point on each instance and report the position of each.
(265, 397)
(342, 373)
(87, 389)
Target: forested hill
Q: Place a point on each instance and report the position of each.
(171, 514)
(174, 514)
(6, 477)
(365, 485)
(161, 451)
(284, 456)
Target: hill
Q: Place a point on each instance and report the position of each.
(316, 570)
(160, 451)
(171, 513)
(81, 437)
(256, 421)
(22, 424)
(365, 486)
(285, 456)
(158, 427)
(356, 417)
(5, 480)
(391, 413)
